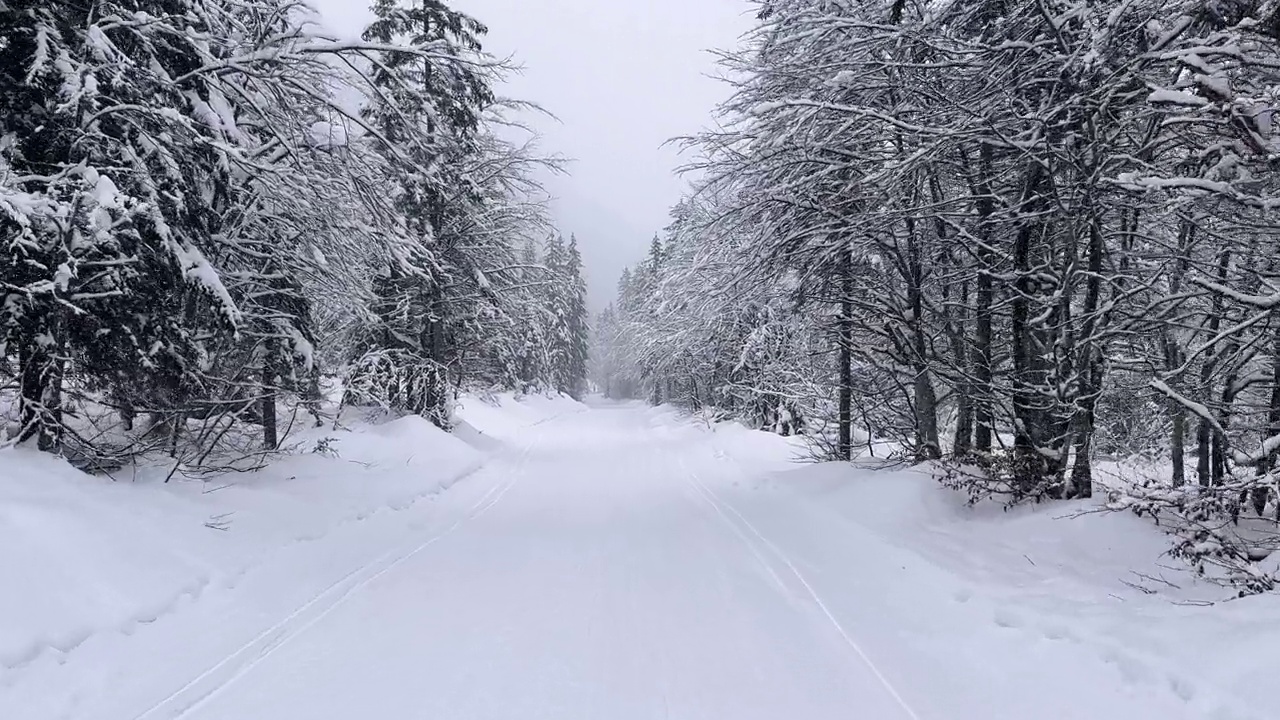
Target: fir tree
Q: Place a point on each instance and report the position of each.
(118, 192)
(428, 110)
(557, 299)
(577, 321)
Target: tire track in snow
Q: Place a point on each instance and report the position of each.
(721, 506)
(700, 491)
(242, 661)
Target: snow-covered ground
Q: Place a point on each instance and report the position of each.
(556, 561)
(115, 590)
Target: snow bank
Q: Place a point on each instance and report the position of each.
(505, 417)
(94, 556)
(1058, 611)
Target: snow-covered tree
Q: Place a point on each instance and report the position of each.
(1007, 233)
(568, 331)
(197, 223)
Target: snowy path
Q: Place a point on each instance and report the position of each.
(620, 562)
(599, 577)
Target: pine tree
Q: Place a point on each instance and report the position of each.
(530, 356)
(557, 299)
(428, 110)
(604, 365)
(193, 226)
(578, 321)
(118, 192)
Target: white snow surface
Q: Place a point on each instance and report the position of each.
(554, 560)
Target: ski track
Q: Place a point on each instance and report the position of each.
(720, 506)
(599, 577)
(242, 661)
(66, 648)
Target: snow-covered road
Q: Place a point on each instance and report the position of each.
(597, 576)
(603, 563)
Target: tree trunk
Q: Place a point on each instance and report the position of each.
(437, 378)
(127, 415)
(1268, 462)
(845, 326)
(1178, 444)
(1218, 457)
(927, 445)
(41, 394)
(1205, 434)
(1173, 359)
(1204, 439)
(926, 402)
(1029, 463)
(270, 440)
(984, 392)
(1089, 371)
(1082, 469)
(963, 444)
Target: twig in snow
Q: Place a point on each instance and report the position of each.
(221, 522)
(1144, 576)
(1135, 586)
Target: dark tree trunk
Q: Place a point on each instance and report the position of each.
(1268, 461)
(926, 402)
(1178, 444)
(1173, 359)
(1089, 371)
(41, 394)
(127, 415)
(1205, 440)
(1029, 463)
(955, 321)
(1229, 391)
(270, 440)
(984, 392)
(963, 444)
(844, 447)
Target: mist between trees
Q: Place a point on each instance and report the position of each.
(214, 218)
(1031, 238)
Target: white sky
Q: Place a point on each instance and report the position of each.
(622, 76)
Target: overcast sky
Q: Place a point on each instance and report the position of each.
(622, 76)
